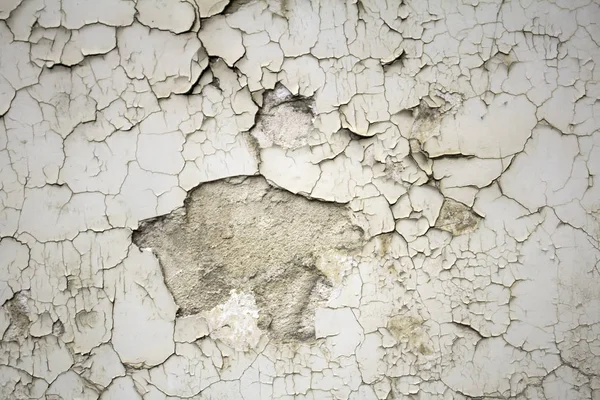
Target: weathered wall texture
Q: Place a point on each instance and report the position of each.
(299, 199)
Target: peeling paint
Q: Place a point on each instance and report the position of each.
(285, 199)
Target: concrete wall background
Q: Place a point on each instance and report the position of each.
(299, 199)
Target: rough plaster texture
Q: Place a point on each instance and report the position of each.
(299, 199)
(282, 249)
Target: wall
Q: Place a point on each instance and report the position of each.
(299, 199)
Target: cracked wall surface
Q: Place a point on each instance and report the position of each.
(299, 199)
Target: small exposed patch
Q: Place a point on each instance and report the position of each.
(18, 312)
(430, 112)
(248, 236)
(285, 120)
(457, 218)
(58, 328)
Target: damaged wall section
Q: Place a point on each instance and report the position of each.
(242, 234)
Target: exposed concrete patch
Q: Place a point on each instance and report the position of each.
(245, 235)
(457, 218)
(285, 120)
(19, 317)
(430, 112)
